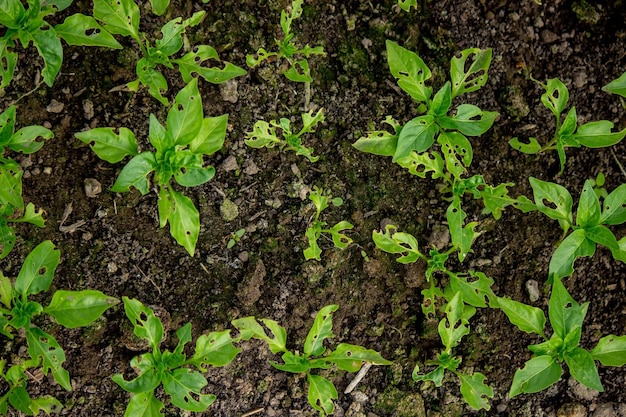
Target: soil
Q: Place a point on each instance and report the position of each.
(120, 250)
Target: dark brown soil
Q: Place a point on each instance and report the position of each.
(121, 250)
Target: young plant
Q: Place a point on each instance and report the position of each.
(451, 330)
(172, 369)
(122, 18)
(264, 134)
(28, 25)
(11, 201)
(566, 317)
(590, 228)
(568, 134)
(235, 238)
(70, 309)
(179, 151)
(345, 356)
(317, 227)
(412, 145)
(407, 4)
(297, 58)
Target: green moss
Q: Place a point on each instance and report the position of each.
(400, 403)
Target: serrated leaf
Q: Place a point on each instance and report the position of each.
(610, 351)
(313, 251)
(420, 164)
(299, 72)
(527, 318)
(215, 349)
(147, 380)
(617, 86)
(38, 269)
(475, 392)
(108, 145)
(82, 30)
(340, 240)
(453, 328)
(135, 174)
(73, 309)
(410, 71)
(194, 62)
(185, 388)
(537, 374)
(42, 345)
(614, 207)
(320, 330)
(263, 135)
(119, 17)
(436, 375)
(476, 75)
(321, 394)
(598, 134)
(457, 152)
(416, 135)
(145, 324)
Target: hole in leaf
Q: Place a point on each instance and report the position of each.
(180, 107)
(42, 270)
(143, 316)
(549, 204)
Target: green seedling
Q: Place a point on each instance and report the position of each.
(590, 228)
(264, 134)
(566, 317)
(412, 145)
(28, 25)
(345, 357)
(122, 18)
(71, 309)
(617, 86)
(318, 227)
(298, 69)
(235, 238)
(407, 4)
(11, 201)
(451, 330)
(179, 151)
(568, 134)
(171, 369)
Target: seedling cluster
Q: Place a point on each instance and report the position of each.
(435, 143)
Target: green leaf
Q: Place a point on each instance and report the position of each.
(603, 236)
(82, 30)
(9, 61)
(38, 269)
(211, 137)
(475, 293)
(380, 142)
(423, 163)
(321, 330)
(159, 6)
(51, 50)
(189, 170)
(398, 243)
(11, 14)
(321, 394)
(417, 135)
(457, 152)
(148, 379)
(559, 201)
(407, 4)
(120, 17)
(617, 86)
(145, 324)
(588, 214)
(184, 221)
(73, 309)
(614, 207)
(475, 392)
(108, 145)
(144, 404)
(462, 236)
(263, 135)
(351, 357)
(538, 374)
(184, 120)
(24, 139)
(20, 400)
(313, 251)
(185, 388)
(135, 173)
(469, 120)
(583, 368)
(160, 138)
(7, 238)
(610, 351)
(31, 216)
(476, 75)
(42, 345)
(340, 240)
(249, 328)
(215, 349)
(527, 318)
(530, 148)
(598, 134)
(47, 404)
(436, 375)
(11, 185)
(556, 96)
(441, 101)
(566, 315)
(299, 72)
(453, 327)
(410, 71)
(153, 79)
(574, 246)
(194, 61)
(6, 292)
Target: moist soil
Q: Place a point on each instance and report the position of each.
(112, 242)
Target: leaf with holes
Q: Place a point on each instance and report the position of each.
(185, 388)
(554, 201)
(380, 142)
(555, 97)
(614, 207)
(350, 358)
(475, 77)
(410, 71)
(73, 309)
(81, 30)
(38, 269)
(215, 349)
(398, 243)
(42, 345)
(470, 120)
(462, 235)
(184, 120)
(120, 17)
(475, 392)
(321, 394)
(194, 62)
(135, 174)
(610, 351)
(477, 292)
(321, 330)
(417, 135)
(145, 324)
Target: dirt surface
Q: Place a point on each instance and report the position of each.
(119, 249)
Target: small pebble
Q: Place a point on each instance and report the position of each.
(532, 287)
(92, 187)
(55, 107)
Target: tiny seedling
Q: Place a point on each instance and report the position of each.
(318, 227)
(264, 134)
(566, 317)
(11, 201)
(568, 134)
(179, 153)
(407, 4)
(28, 25)
(71, 309)
(590, 228)
(172, 369)
(345, 356)
(122, 18)
(235, 238)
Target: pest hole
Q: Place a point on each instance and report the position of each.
(180, 107)
(143, 316)
(42, 271)
(92, 32)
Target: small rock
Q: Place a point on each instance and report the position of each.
(88, 109)
(229, 92)
(249, 290)
(440, 237)
(610, 410)
(580, 391)
(92, 187)
(230, 164)
(360, 397)
(547, 36)
(251, 168)
(55, 107)
(532, 287)
(112, 267)
(572, 410)
(229, 210)
(47, 170)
